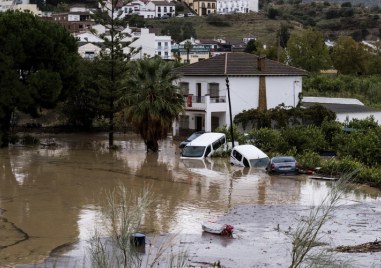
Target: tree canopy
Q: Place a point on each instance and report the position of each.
(151, 99)
(307, 50)
(348, 56)
(38, 61)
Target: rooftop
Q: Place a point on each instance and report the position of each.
(238, 63)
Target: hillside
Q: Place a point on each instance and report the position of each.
(332, 19)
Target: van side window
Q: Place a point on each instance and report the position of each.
(216, 145)
(245, 162)
(208, 150)
(223, 140)
(237, 155)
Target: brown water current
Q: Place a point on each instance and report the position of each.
(52, 196)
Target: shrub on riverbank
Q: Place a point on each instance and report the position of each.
(356, 143)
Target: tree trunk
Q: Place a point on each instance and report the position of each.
(111, 129)
(152, 146)
(5, 124)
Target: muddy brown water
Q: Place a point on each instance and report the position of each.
(51, 196)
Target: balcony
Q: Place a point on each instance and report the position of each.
(202, 103)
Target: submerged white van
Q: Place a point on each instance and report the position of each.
(204, 145)
(248, 156)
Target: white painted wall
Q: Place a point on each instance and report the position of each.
(342, 117)
(244, 93)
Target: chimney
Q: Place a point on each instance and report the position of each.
(262, 98)
(261, 63)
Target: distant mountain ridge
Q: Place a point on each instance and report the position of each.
(368, 3)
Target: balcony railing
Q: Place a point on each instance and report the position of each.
(200, 102)
(217, 99)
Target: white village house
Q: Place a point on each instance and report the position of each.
(149, 44)
(253, 82)
(346, 109)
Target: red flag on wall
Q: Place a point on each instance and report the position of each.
(189, 101)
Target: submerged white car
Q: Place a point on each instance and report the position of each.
(248, 155)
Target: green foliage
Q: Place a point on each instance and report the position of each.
(307, 50)
(251, 46)
(151, 100)
(29, 140)
(179, 7)
(365, 146)
(180, 30)
(85, 103)
(348, 56)
(111, 65)
(344, 165)
(269, 140)
(282, 116)
(305, 138)
(238, 136)
(218, 21)
(38, 65)
(369, 175)
(330, 129)
(363, 124)
(273, 13)
(136, 21)
(308, 160)
(365, 88)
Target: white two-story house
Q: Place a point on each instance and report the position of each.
(253, 83)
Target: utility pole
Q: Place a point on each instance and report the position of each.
(230, 111)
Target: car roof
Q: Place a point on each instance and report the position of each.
(206, 139)
(283, 157)
(250, 151)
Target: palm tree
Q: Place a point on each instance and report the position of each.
(188, 46)
(152, 100)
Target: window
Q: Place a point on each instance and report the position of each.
(159, 44)
(208, 5)
(237, 155)
(208, 150)
(184, 88)
(213, 5)
(165, 44)
(245, 162)
(184, 121)
(159, 9)
(214, 90)
(159, 53)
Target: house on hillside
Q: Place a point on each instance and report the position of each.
(345, 109)
(74, 22)
(253, 82)
(162, 8)
(149, 44)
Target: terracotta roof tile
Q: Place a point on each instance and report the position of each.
(237, 63)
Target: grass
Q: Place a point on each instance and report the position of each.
(256, 24)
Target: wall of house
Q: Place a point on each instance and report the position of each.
(343, 117)
(283, 89)
(146, 41)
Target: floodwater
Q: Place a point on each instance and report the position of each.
(52, 196)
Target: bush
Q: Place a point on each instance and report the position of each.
(273, 13)
(218, 21)
(269, 140)
(309, 160)
(344, 165)
(29, 140)
(365, 146)
(305, 138)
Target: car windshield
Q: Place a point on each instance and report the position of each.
(283, 159)
(193, 136)
(193, 151)
(262, 162)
